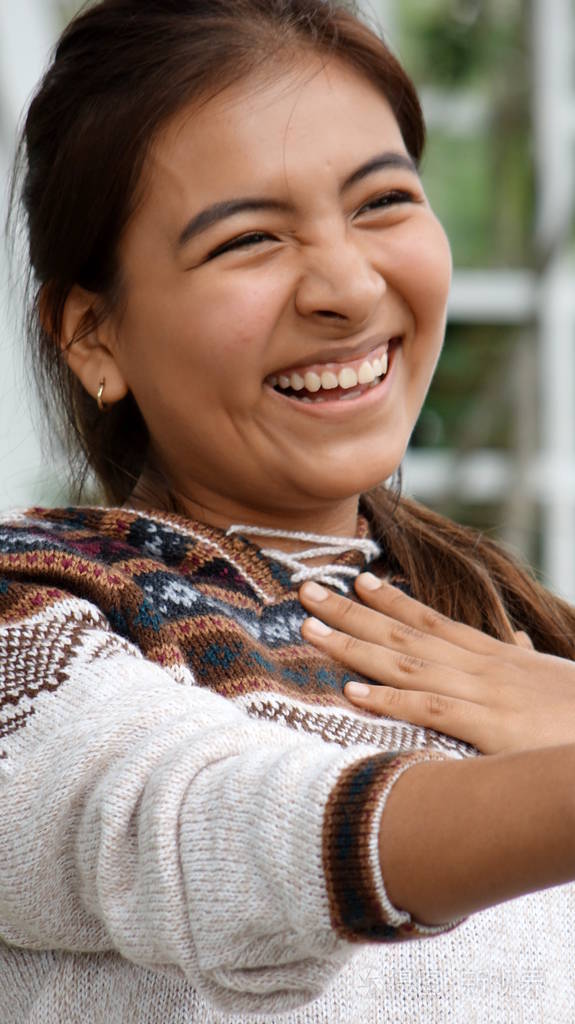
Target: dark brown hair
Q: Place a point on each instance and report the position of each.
(120, 71)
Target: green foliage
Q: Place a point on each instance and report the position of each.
(471, 61)
(468, 405)
(481, 187)
(472, 57)
(458, 43)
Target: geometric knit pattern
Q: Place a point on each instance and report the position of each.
(154, 619)
(189, 598)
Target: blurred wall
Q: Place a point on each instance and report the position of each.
(27, 31)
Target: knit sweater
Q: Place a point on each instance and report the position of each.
(190, 808)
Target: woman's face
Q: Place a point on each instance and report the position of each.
(284, 240)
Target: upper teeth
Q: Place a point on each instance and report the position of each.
(346, 378)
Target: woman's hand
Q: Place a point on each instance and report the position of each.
(441, 674)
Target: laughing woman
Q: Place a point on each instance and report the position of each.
(238, 299)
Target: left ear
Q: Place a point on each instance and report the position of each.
(92, 357)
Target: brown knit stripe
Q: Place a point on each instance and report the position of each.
(114, 522)
(12, 724)
(243, 602)
(345, 729)
(63, 565)
(18, 602)
(355, 909)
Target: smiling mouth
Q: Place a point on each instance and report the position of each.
(336, 383)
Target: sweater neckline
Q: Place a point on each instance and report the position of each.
(336, 572)
(268, 576)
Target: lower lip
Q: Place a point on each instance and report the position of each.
(344, 406)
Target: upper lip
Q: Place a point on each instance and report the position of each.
(339, 354)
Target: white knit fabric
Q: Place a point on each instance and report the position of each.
(161, 863)
(158, 821)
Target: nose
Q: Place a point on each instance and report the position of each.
(339, 281)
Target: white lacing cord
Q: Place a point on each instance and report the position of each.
(325, 545)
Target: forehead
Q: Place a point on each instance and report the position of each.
(314, 121)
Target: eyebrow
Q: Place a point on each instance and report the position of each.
(251, 204)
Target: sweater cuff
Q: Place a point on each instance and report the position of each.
(360, 908)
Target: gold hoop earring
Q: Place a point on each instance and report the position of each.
(99, 396)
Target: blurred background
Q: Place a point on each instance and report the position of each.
(495, 445)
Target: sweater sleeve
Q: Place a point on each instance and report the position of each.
(155, 819)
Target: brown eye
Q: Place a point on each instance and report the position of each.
(242, 242)
(392, 198)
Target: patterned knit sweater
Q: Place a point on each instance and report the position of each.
(190, 808)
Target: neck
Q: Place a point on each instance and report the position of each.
(335, 520)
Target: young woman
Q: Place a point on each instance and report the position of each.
(238, 295)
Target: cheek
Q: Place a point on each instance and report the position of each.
(434, 269)
(230, 315)
(422, 275)
(210, 339)
(425, 268)
(238, 321)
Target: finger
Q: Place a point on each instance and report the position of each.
(448, 715)
(375, 627)
(523, 640)
(383, 597)
(393, 668)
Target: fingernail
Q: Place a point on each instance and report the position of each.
(369, 581)
(315, 592)
(357, 690)
(317, 627)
